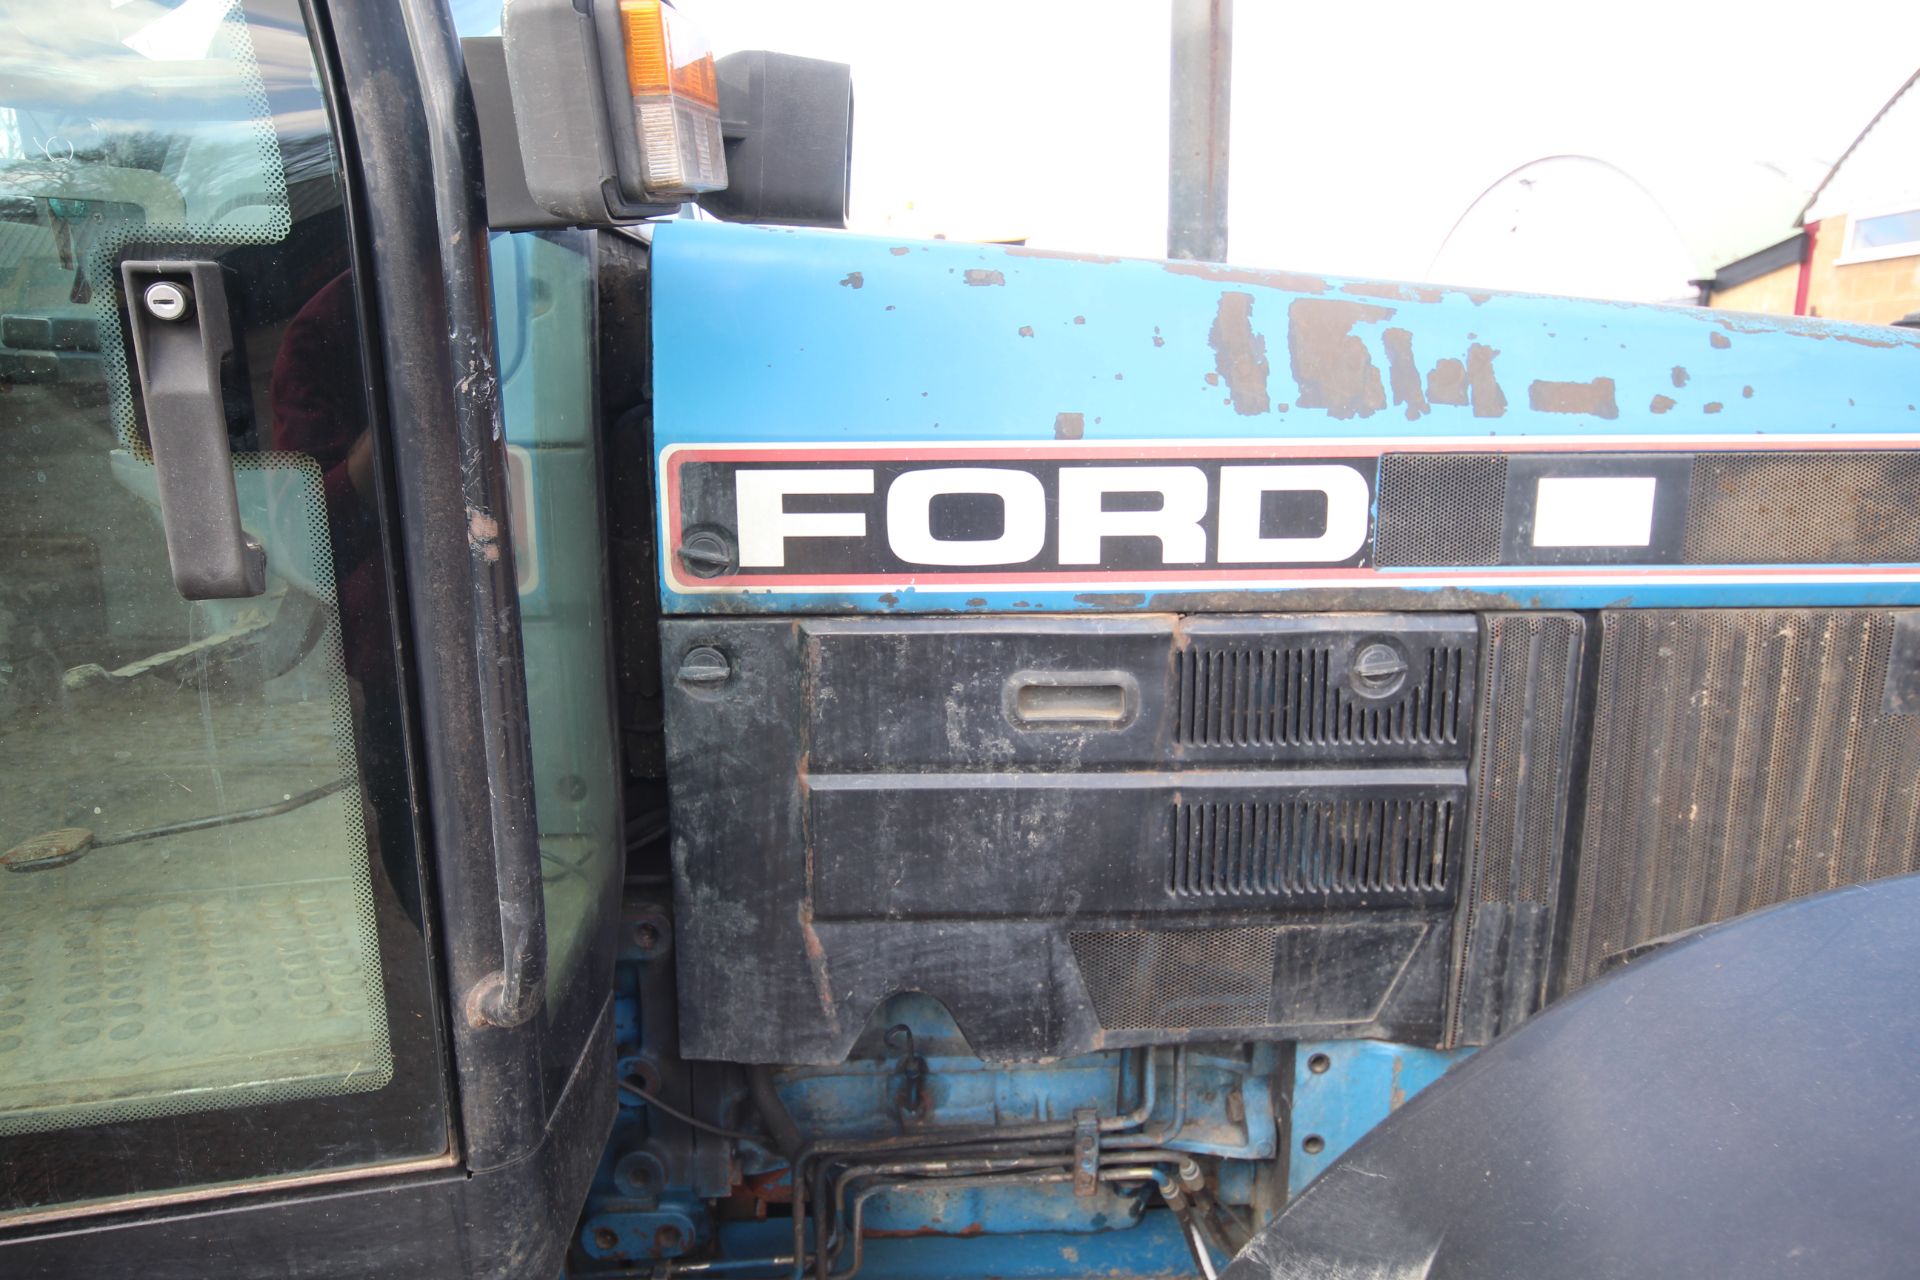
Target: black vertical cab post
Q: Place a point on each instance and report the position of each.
(425, 239)
(417, 155)
(524, 1149)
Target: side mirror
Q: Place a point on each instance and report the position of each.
(615, 107)
(601, 112)
(789, 129)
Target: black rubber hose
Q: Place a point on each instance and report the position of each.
(773, 1112)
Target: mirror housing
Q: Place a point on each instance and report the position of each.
(583, 122)
(789, 132)
(561, 112)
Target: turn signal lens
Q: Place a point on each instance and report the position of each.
(676, 101)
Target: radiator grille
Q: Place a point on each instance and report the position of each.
(1517, 828)
(1441, 509)
(1141, 980)
(1803, 508)
(1741, 758)
(1294, 696)
(1326, 847)
(1530, 682)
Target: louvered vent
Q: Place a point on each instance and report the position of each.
(1530, 689)
(1297, 696)
(1343, 846)
(1741, 758)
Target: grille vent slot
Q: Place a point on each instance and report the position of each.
(1296, 696)
(1355, 846)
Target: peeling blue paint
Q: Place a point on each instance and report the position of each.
(757, 339)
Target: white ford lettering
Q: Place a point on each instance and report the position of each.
(1085, 524)
(1023, 504)
(1241, 490)
(764, 524)
(1055, 516)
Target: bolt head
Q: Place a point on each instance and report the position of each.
(705, 553)
(167, 301)
(705, 667)
(1377, 670)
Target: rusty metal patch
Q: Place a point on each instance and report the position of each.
(1333, 367)
(1489, 401)
(1447, 383)
(1240, 354)
(1593, 399)
(1402, 374)
(1291, 281)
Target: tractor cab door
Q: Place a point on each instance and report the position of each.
(230, 963)
(210, 913)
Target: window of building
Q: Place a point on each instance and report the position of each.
(1870, 237)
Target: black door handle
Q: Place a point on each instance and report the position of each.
(181, 335)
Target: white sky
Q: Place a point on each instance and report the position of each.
(1361, 131)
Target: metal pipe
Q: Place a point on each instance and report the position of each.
(1169, 1188)
(1138, 1116)
(1181, 1207)
(720, 1266)
(1171, 1131)
(938, 1138)
(867, 1193)
(1200, 99)
(1007, 1154)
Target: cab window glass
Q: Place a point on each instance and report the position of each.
(209, 897)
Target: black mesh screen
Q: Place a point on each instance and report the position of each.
(1440, 509)
(1803, 508)
(1777, 507)
(1142, 980)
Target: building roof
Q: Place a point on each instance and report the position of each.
(1879, 167)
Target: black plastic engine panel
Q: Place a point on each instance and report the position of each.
(1075, 832)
